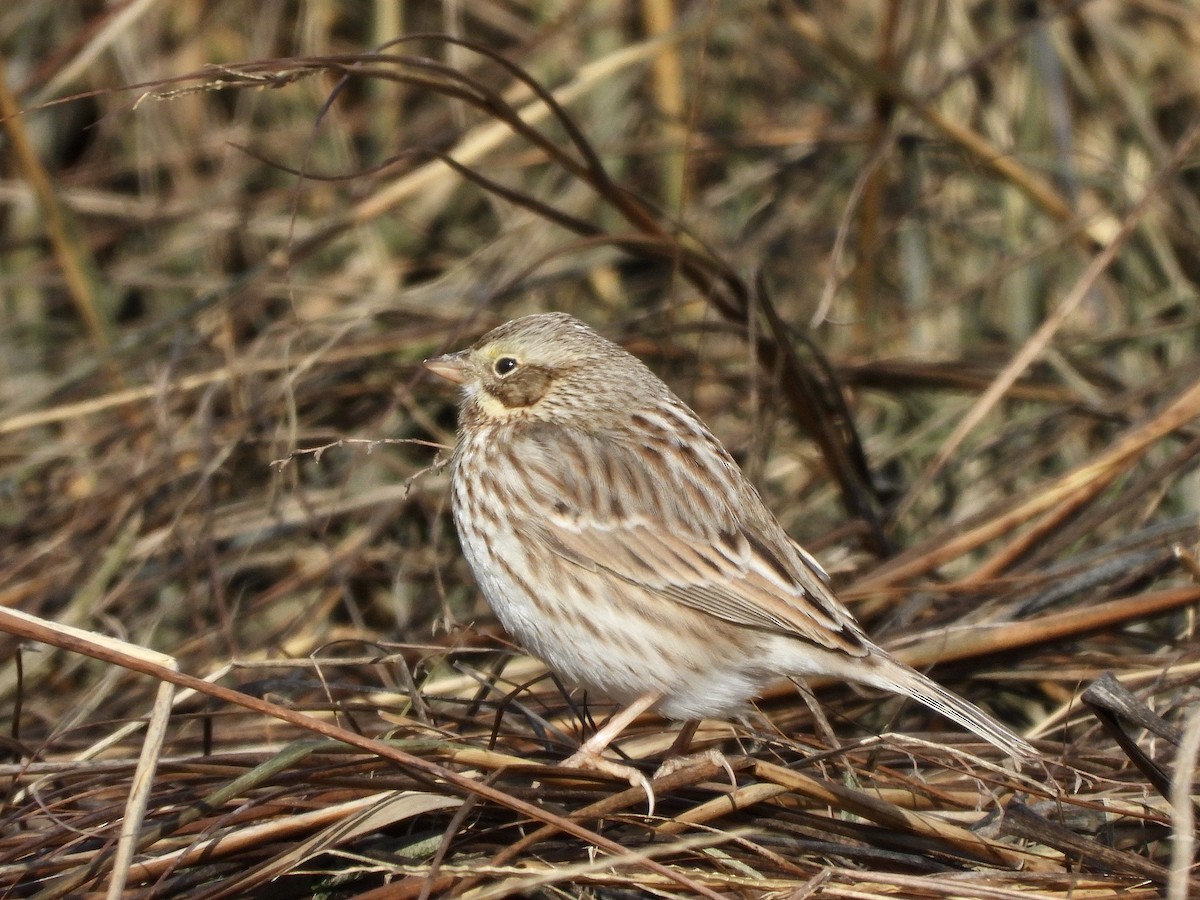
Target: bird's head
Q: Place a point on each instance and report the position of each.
(549, 366)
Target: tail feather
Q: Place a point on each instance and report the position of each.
(895, 676)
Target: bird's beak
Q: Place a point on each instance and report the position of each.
(450, 366)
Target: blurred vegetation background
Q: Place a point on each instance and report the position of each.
(957, 239)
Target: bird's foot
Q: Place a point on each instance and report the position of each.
(673, 764)
(589, 760)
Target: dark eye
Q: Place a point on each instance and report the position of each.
(504, 365)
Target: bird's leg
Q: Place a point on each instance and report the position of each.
(683, 741)
(590, 754)
(677, 756)
(618, 722)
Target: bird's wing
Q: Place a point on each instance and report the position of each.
(694, 532)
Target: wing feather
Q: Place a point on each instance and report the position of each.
(614, 507)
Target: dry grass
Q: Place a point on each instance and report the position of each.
(929, 270)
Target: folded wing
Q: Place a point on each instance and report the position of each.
(692, 530)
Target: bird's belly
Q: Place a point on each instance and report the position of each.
(615, 638)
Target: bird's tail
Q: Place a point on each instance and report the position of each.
(895, 676)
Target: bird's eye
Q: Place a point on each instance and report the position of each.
(504, 365)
